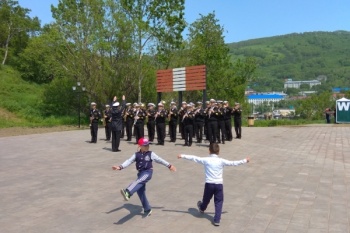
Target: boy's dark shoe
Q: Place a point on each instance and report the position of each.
(199, 203)
(147, 213)
(125, 194)
(216, 224)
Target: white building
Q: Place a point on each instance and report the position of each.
(296, 84)
(260, 98)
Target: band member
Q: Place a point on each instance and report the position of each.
(237, 120)
(181, 114)
(139, 122)
(207, 103)
(188, 121)
(221, 123)
(227, 117)
(199, 118)
(129, 121)
(151, 124)
(212, 112)
(107, 122)
(173, 118)
(117, 122)
(160, 117)
(95, 116)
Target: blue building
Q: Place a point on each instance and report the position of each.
(339, 89)
(258, 98)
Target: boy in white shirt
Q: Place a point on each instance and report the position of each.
(213, 178)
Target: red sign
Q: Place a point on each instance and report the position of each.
(182, 79)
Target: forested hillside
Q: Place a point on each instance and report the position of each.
(303, 56)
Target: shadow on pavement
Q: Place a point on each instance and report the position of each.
(195, 213)
(135, 210)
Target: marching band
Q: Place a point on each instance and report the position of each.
(212, 122)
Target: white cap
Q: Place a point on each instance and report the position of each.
(107, 106)
(93, 103)
(116, 104)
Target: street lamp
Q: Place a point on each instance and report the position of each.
(78, 89)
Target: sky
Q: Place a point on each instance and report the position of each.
(249, 19)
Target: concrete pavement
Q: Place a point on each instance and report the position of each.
(298, 181)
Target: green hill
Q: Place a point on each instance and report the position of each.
(303, 56)
(21, 102)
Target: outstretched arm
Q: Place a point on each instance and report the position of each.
(192, 158)
(125, 164)
(116, 168)
(236, 162)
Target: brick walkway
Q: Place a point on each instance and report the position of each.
(298, 181)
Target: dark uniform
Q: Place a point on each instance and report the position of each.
(173, 118)
(228, 124)
(188, 122)
(151, 124)
(139, 123)
(129, 121)
(221, 125)
(212, 112)
(237, 120)
(107, 122)
(117, 124)
(181, 113)
(199, 120)
(160, 124)
(95, 116)
(206, 122)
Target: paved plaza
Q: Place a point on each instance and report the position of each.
(298, 181)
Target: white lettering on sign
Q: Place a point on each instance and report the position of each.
(343, 106)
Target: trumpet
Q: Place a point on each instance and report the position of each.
(157, 114)
(210, 111)
(197, 111)
(185, 115)
(136, 117)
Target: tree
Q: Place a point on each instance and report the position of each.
(156, 23)
(42, 61)
(312, 108)
(207, 47)
(241, 74)
(292, 91)
(14, 22)
(109, 43)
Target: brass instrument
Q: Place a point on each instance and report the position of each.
(196, 111)
(170, 113)
(125, 114)
(136, 117)
(210, 111)
(158, 112)
(185, 115)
